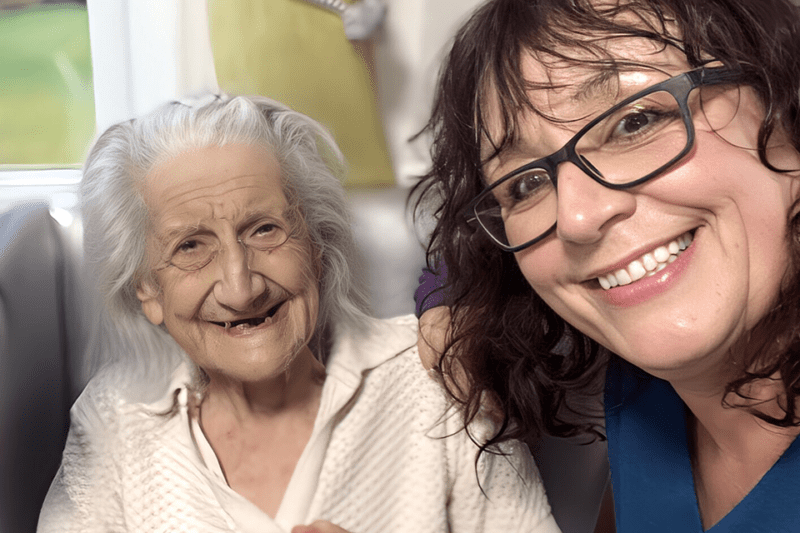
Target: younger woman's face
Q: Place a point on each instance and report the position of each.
(682, 320)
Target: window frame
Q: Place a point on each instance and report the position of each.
(138, 61)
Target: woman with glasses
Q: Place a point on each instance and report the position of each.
(245, 387)
(617, 198)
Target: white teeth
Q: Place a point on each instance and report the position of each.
(623, 277)
(673, 248)
(661, 254)
(648, 264)
(636, 270)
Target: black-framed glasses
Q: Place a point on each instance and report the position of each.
(630, 143)
(197, 251)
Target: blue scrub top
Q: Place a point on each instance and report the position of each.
(651, 471)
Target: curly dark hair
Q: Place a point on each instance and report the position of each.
(510, 344)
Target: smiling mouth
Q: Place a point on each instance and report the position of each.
(647, 265)
(251, 322)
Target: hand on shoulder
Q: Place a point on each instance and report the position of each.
(433, 335)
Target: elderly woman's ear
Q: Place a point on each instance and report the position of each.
(149, 295)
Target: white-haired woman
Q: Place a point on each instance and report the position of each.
(244, 388)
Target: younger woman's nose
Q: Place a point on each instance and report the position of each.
(587, 209)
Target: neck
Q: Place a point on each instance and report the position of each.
(258, 430)
(736, 431)
(295, 389)
(730, 447)
(726, 421)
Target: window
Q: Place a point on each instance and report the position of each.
(46, 98)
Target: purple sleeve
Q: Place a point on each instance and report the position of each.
(431, 291)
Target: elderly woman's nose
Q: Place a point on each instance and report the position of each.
(237, 285)
(586, 209)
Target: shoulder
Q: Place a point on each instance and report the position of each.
(395, 365)
(370, 343)
(112, 443)
(108, 420)
(381, 364)
(96, 409)
(401, 382)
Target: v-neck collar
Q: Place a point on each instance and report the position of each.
(651, 469)
(355, 351)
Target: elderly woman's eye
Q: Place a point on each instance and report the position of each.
(267, 235)
(188, 247)
(266, 229)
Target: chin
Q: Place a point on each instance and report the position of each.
(665, 356)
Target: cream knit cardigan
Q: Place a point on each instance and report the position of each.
(383, 457)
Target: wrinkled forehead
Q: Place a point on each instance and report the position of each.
(568, 87)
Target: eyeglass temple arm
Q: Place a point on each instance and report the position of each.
(716, 75)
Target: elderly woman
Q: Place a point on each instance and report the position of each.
(616, 184)
(249, 391)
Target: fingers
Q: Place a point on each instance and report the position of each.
(434, 326)
(432, 339)
(319, 526)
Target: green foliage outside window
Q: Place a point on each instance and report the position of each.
(46, 96)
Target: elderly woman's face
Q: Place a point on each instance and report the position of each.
(248, 312)
(685, 316)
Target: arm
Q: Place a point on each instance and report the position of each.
(82, 496)
(507, 493)
(510, 497)
(433, 314)
(434, 326)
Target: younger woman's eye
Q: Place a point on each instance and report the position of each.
(634, 122)
(527, 185)
(642, 120)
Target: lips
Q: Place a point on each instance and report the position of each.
(648, 264)
(250, 322)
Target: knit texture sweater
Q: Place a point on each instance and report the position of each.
(387, 454)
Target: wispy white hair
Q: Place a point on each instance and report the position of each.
(115, 216)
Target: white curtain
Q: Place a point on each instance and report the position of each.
(146, 53)
(409, 50)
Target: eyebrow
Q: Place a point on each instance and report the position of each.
(580, 93)
(170, 235)
(249, 218)
(600, 83)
